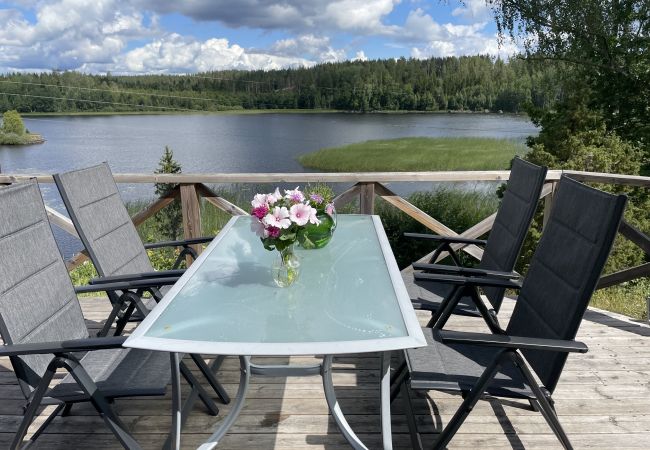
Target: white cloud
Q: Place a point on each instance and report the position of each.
(127, 36)
(313, 47)
(473, 10)
(360, 15)
(294, 15)
(177, 54)
(93, 37)
(360, 56)
(68, 34)
(430, 38)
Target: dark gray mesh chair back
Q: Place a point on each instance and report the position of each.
(512, 222)
(564, 271)
(102, 221)
(37, 300)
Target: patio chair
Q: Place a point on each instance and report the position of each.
(541, 333)
(502, 249)
(112, 241)
(104, 226)
(43, 328)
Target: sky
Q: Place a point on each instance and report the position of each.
(188, 36)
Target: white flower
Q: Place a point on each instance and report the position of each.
(259, 200)
(274, 197)
(302, 213)
(278, 218)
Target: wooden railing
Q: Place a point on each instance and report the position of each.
(365, 187)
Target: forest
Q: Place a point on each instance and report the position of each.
(468, 83)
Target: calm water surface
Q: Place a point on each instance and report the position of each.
(225, 143)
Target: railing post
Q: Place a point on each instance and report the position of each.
(367, 198)
(548, 204)
(191, 215)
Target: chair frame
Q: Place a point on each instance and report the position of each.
(126, 291)
(64, 358)
(489, 314)
(511, 346)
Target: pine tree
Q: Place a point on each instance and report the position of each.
(169, 221)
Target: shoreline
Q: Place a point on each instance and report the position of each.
(260, 111)
(29, 139)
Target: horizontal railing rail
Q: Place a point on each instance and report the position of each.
(365, 188)
(344, 177)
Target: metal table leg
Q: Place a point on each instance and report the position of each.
(175, 436)
(229, 420)
(384, 393)
(339, 418)
(334, 407)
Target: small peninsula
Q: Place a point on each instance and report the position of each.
(13, 131)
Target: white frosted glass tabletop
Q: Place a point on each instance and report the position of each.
(349, 298)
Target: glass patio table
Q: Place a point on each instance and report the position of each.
(349, 298)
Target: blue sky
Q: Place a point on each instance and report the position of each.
(168, 36)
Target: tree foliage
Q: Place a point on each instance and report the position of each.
(12, 123)
(168, 221)
(600, 120)
(604, 45)
(468, 83)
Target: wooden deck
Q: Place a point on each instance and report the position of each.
(603, 400)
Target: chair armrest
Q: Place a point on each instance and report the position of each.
(138, 276)
(445, 269)
(505, 341)
(72, 345)
(448, 239)
(183, 243)
(474, 281)
(126, 285)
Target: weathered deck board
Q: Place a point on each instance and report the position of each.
(603, 401)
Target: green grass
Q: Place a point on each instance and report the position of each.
(416, 154)
(627, 299)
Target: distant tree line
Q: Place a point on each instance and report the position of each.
(469, 83)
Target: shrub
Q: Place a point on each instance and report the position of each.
(12, 123)
(456, 208)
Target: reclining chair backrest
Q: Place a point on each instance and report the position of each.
(512, 221)
(37, 300)
(102, 221)
(564, 271)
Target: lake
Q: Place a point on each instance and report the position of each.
(225, 143)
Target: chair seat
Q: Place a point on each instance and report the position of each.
(119, 373)
(457, 367)
(428, 296)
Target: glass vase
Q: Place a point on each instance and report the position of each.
(286, 267)
(318, 236)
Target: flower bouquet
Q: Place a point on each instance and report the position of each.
(280, 218)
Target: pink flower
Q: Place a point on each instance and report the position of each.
(274, 232)
(279, 218)
(294, 195)
(318, 199)
(302, 213)
(274, 197)
(259, 229)
(260, 211)
(329, 209)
